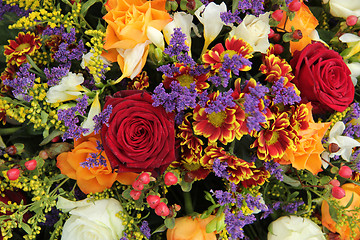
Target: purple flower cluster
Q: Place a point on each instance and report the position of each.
(274, 169)
(230, 17)
(352, 130)
(168, 70)
(180, 98)
(7, 8)
(70, 119)
(221, 102)
(219, 169)
(236, 223)
(255, 203)
(22, 83)
(223, 197)
(284, 95)
(56, 73)
(102, 118)
(144, 228)
(256, 7)
(95, 160)
(292, 207)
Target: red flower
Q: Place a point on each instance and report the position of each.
(139, 137)
(24, 44)
(323, 78)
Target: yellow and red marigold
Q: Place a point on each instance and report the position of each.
(274, 68)
(221, 126)
(185, 78)
(273, 141)
(215, 56)
(24, 44)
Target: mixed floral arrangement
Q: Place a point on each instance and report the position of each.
(180, 119)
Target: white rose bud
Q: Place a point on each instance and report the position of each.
(344, 8)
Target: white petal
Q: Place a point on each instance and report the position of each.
(95, 109)
(337, 129)
(347, 142)
(156, 37)
(325, 155)
(349, 37)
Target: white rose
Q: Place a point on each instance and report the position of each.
(344, 8)
(293, 227)
(69, 88)
(254, 31)
(91, 219)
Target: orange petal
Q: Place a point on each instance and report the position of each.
(126, 178)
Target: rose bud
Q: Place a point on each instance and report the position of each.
(345, 172)
(338, 192)
(162, 209)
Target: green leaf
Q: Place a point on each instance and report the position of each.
(126, 194)
(287, 37)
(162, 228)
(58, 177)
(292, 182)
(26, 227)
(183, 5)
(291, 15)
(211, 226)
(208, 212)
(209, 197)
(85, 7)
(333, 212)
(170, 222)
(293, 195)
(325, 180)
(51, 136)
(350, 201)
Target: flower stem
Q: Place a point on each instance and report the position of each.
(188, 203)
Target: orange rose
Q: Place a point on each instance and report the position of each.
(308, 150)
(187, 228)
(128, 21)
(95, 179)
(305, 21)
(329, 223)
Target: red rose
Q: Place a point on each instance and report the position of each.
(139, 137)
(323, 78)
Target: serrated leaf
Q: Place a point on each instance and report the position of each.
(291, 15)
(170, 223)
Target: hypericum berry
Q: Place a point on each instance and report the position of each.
(295, 6)
(345, 172)
(276, 37)
(137, 185)
(153, 201)
(11, 150)
(351, 20)
(31, 164)
(170, 179)
(135, 194)
(43, 154)
(144, 178)
(278, 49)
(271, 34)
(162, 209)
(333, 148)
(335, 183)
(55, 139)
(338, 192)
(297, 34)
(277, 15)
(13, 174)
(189, 177)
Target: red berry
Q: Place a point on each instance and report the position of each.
(271, 34)
(170, 179)
(55, 139)
(43, 154)
(276, 37)
(153, 201)
(278, 49)
(135, 194)
(351, 20)
(297, 34)
(137, 185)
(335, 183)
(144, 178)
(338, 192)
(13, 173)
(277, 15)
(31, 164)
(345, 172)
(11, 150)
(162, 209)
(295, 6)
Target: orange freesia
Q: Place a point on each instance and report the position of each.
(187, 228)
(128, 21)
(351, 189)
(305, 21)
(95, 179)
(306, 155)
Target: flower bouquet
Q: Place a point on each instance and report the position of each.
(179, 119)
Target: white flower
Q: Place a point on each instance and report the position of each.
(91, 219)
(95, 109)
(353, 42)
(69, 88)
(254, 31)
(209, 16)
(355, 71)
(156, 37)
(346, 144)
(293, 227)
(184, 21)
(86, 58)
(344, 8)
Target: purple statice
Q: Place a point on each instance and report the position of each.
(236, 223)
(168, 70)
(144, 228)
(283, 94)
(56, 74)
(7, 8)
(99, 146)
(199, 70)
(102, 118)
(216, 80)
(222, 101)
(69, 116)
(235, 63)
(256, 7)
(180, 98)
(355, 110)
(179, 117)
(66, 53)
(95, 160)
(203, 99)
(223, 197)
(356, 158)
(59, 31)
(219, 169)
(292, 207)
(230, 17)
(255, 203)
(22, 83)
(124, 237)
(274, 169)
(352, 130)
